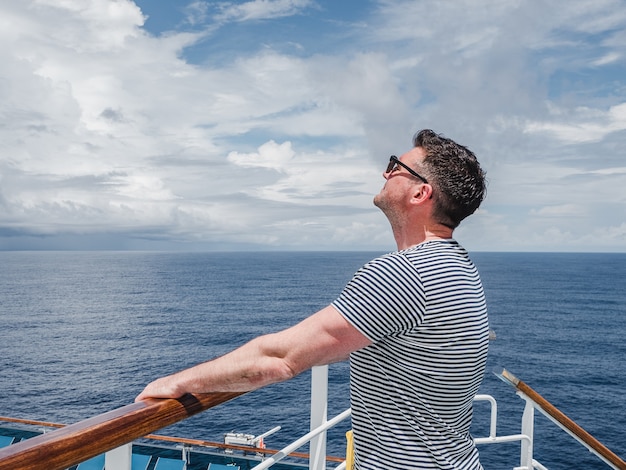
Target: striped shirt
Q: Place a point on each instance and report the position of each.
(411, 391)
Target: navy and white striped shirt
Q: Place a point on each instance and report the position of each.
(411, 390)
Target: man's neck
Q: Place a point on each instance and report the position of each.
(406, 239)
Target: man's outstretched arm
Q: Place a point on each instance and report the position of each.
(322, 338)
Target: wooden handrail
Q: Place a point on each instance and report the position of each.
(31, 422)
(70, 445)
(556, 414)
(183, 440)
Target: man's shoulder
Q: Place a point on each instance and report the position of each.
(386, 260)
(418, 257)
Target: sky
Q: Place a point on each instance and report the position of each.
(267, 124)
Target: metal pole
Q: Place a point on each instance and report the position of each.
(528, 429)
(319, 413)
(119, 458)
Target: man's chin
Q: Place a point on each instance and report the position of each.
(379, 202)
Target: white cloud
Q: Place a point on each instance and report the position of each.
(610, 171)
(260, 9)
(607, 59)
(311, 178)
(563, 210)
(583, 124)
(197, 12)
(104, 124)
(90, 25)
(269, 155)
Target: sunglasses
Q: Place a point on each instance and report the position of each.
(394, 163)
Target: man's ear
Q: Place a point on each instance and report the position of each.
(422, 193)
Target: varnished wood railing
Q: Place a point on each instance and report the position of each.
(183, 440)
(70, 445)
(553, 413)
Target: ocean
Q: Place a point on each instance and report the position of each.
(81, 333)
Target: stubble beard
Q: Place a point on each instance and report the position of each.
(386, 207)
(379, 201)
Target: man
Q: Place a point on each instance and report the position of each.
(413, 323)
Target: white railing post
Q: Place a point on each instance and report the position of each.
(319, 412)
(528, 429)
(119, 458)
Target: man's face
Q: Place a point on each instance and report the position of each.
(395, 193)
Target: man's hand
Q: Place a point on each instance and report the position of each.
(165, 387)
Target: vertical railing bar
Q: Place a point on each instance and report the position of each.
(319, 414)
(528, 429)
(493, 415)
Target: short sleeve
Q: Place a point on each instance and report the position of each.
(383, 298)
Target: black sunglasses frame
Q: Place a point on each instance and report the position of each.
(393, 162)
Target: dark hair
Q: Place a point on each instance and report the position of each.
(459, 184)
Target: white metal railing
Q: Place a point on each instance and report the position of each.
(302, 441)
(525, 438)
(319, 426)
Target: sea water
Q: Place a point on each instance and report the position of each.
(81, 333)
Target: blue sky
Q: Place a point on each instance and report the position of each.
(266, 124)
